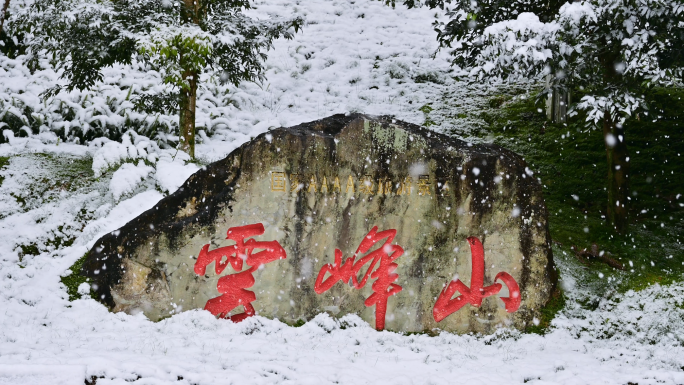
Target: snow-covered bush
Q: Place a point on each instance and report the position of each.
(79, 116)
(463, 32)
(227, 115)
(608, 50)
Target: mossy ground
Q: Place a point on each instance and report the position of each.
(44, 178)
(51, 175)
(570, 160)
(548, 313)
(75, 279)
(4, 161)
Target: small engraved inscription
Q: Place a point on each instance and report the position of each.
(350, 184)
(295, 185)
(366, 184)
(312, 184)
(424, 185)
(277, 181)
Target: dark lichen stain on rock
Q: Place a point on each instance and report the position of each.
(485, 184)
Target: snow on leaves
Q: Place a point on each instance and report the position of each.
(608, 48)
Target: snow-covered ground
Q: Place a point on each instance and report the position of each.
(57, 198)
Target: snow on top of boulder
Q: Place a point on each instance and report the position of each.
(170, 176)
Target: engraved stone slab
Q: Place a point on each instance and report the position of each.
(449, 235)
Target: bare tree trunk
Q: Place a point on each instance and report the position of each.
(188, 97)
(192, 13)
(557, 103)
(618, 173)
(188, 102)
(559, 106)
(3, 14)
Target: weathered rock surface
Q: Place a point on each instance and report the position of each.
(322, 186)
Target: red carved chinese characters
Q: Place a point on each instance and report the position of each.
(233, 286)
(476, 292)
(384, 276)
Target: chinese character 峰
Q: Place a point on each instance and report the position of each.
(384, 285)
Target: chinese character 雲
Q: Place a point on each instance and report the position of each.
(233, 287)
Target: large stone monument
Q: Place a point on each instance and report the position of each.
(410, 229)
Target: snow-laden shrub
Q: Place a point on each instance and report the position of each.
(653, 316)
(107, 110)
(132, 148)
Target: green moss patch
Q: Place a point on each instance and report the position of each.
(548, 313)
(75, 279)
(4, 161)
(30, 249)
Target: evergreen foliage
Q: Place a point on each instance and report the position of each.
(608, 50)
(570, 161)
